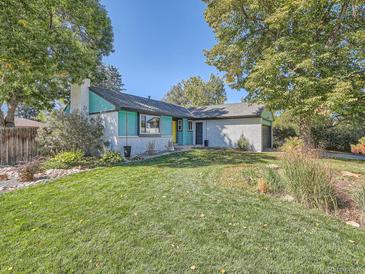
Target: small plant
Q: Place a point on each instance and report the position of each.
(262, 185)
(111, 158)
(309, 181)
(28, 171)
(170, 146)
(4, 177)
(292, 144)
(360, 147)
(151, 148)
(65, 160)
(243, 143)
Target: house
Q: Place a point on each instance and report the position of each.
(137, 121)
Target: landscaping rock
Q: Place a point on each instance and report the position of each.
(14, 182)
(354, 224)
(288, 198)
(273, 166)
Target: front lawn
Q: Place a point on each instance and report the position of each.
(171, 214)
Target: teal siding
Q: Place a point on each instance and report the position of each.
(98, 104)
(131, 118)
(166, 124)
(189, 140)
(180, 138)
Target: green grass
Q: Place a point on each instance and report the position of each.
(166, 215)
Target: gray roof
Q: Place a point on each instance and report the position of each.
(132, 102)
(146, 105)
(227, 111)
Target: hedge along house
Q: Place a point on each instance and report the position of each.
(139, 122)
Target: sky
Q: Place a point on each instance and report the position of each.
(160, 43)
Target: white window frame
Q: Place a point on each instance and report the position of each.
(179, 125)
(190, 125)
(140, 124)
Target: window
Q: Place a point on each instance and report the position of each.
(190, 125)
(149, 124)
(179, 125)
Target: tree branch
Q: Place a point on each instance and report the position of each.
(337, 27)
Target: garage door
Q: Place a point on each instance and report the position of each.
(266, 137)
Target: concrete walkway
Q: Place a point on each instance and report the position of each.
(341, 155)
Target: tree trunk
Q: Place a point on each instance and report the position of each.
(305, 132)
(10, 115)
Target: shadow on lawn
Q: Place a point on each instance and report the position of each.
(204, 157)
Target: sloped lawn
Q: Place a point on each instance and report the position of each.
(170, 214)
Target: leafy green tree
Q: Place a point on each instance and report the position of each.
(45, 46)
(28, 112)
(304, 56)
(108, 76)
(196, 92)
(177, 95)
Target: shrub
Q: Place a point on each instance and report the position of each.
(309, 181)
(65, 160)
(70, 132)
(360, 147)
(28, 171)
(335, 137)
(292, 144)
(111, 158)
(243, 143)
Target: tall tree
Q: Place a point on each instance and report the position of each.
(195, 92)
(27, 112)
(306, 56)
(108, 76)
(45, 46)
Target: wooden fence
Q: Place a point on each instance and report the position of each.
(17, 145)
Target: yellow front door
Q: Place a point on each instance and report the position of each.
(174, 130)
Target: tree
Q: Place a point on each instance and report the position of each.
(108, 76)
(195, 92)
(303, 56)
(27, 112)
(45, 46)
(70, 132)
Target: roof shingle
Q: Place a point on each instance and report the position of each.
(132, 102)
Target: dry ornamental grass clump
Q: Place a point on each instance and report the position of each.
(28, 171)
(309, 180)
